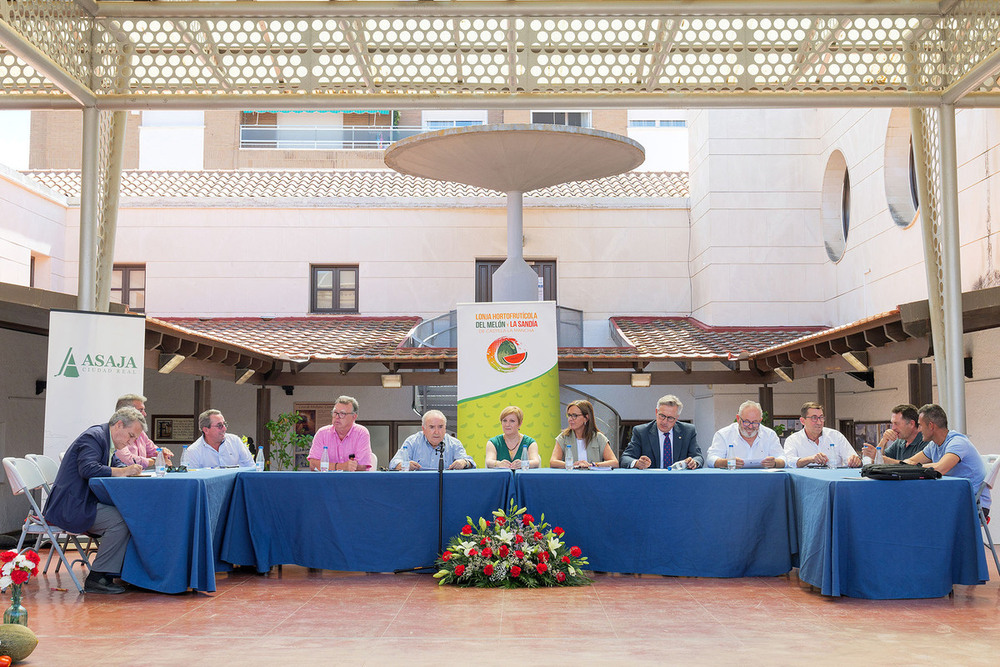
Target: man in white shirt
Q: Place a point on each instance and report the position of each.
(216, 448)
(814, 443)
(754, 445)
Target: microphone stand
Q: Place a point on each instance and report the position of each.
(433, 568)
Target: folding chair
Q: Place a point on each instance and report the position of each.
(48, 468)
(992, 470)
(24, 478)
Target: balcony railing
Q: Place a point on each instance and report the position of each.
(323, 137)
(441, 331)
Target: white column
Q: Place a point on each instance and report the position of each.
(951, 275)
(86, 296)
(514, 280)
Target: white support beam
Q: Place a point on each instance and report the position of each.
(972, 79)
(86, 295)
(30, 54)
(951, 274)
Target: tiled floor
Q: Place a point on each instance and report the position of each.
(307, 618)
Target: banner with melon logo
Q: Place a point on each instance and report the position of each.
(507, 355)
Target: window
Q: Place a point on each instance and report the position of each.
(334, 289)
(445, 124)
(835, 211)
(573, 118)
(640, 122)
(128, 286)
(485, 268)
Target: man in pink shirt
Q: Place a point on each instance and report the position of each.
(348, 444)
(141, 450)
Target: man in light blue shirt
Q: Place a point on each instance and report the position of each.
(423, 446)
(216, 448)
(949, 452)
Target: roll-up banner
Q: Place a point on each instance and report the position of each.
(507, 355)
(93, 359)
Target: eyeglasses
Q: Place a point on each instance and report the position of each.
(665, 418)
(220, 425)
(340, 414)
(750, 423)
(816, 418)
(570, 415)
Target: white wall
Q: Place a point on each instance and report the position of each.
(32, 221)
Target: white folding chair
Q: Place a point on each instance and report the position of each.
(374, 462)
(24, 478)
(989, 482)
(49, 468)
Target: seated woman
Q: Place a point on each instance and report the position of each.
(592, 448)
(504, 450)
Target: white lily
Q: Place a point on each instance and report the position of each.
(554, 544)
(505, 536)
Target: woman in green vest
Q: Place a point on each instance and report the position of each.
(505, 450)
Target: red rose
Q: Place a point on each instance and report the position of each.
(446, 556)
(575, 552)
(543, 556)
(484, 540)
(32, 556)
(565, 559)
(488, 569)
(560, 577)
(515, 571)
(504, 550)
(8, 556)
(467, 529)
(538, 535)
(558, 531)
(527, 518)
(500, 521)
(18, 576)
(487, 552)
(487, 524)
(34, 572)
(541, 567)
(459, 570)
(473, 552)
(519, 553)
(518, 538)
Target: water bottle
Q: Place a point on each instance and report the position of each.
(570, 455)
(832, 459)
(879, 459)
(184, 457)
(161, 464)
(324, 463)
(731, 458)
(525, 464)
(404, 458)
(260, 458)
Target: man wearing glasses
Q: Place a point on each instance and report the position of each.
(216, 448)
(349, 445)
(814, 443)
(754, 445)
(665, 441)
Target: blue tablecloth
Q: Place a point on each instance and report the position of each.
(372, 521)
(176, 524)
(875, 539)
(705, 523)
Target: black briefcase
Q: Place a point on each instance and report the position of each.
(898, 471)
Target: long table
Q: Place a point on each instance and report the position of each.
(867, 538)
(706, 523)
(176, 523)
(374, 521)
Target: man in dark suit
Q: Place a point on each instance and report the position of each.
(74, 507)
(664, 441)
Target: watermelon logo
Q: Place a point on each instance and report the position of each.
(504, 356)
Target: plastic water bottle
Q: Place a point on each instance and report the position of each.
(184, 457)
(570, 454)
(879, 458)
(404, 458)
(832, 459)
(525, 463)
(260, 458)
(161, 464)
(731, 458)
(324, 463)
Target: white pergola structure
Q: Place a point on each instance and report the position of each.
(105, 58)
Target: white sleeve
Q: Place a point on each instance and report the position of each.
(717, 450)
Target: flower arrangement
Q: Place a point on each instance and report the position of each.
(511, 551)
(17, 569)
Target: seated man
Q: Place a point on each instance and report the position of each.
(950, 452)
(812, 445)
(422, 446)
(73, 506)
(663, 441)
(348, 443)
(216, 448)
(753, 444)
(142, 450)
(901, 441)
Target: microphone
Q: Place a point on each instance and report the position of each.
(440, 451)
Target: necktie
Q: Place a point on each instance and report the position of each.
(668, 457)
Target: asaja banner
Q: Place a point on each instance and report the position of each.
(93, 359)
(507, 355)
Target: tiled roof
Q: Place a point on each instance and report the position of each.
(825, 334)
(687, 338)
(357, 184)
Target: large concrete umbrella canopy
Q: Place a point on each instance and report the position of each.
(515, 159)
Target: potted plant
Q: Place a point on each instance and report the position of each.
(286, 441)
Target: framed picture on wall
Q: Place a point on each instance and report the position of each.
(173, 429)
